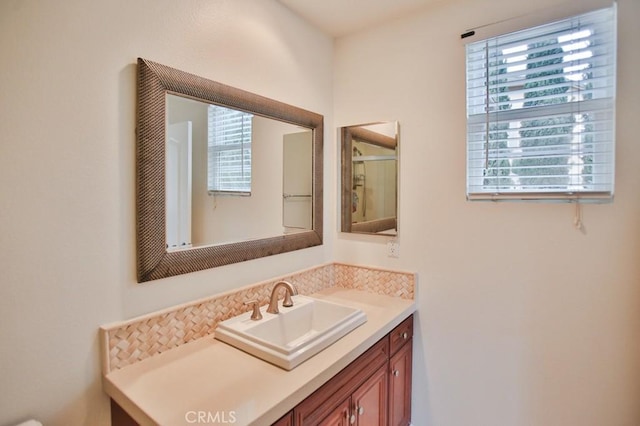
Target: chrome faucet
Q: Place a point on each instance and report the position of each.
(290, 290)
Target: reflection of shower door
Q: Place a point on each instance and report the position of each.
(359, 192)
(178, 184)
(297, 175)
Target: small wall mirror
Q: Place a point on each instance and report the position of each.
(370, 178)
(224, 175)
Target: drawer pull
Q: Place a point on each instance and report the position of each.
(405, 335)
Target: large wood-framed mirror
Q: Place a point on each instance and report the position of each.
(369, 169)
(186, 219)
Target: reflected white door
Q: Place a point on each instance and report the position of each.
(178, 185)
(297, 180)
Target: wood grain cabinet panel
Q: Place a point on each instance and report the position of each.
(400, 386)
(340, 416)
(374, 390)
(366, 406)
(341, 386)
(369, 401)
(286, 420)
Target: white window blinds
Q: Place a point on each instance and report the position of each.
(229, 151)
(540, 111)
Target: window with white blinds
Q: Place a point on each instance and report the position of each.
(540, 111)
(229, 151)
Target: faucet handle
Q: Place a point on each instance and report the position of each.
(287, 302)
(255, 314)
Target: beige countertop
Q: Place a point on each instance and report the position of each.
(212, 379)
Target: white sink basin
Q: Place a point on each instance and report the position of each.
(295, 334)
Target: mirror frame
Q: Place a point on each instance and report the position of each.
(348, 134)
(153, 259)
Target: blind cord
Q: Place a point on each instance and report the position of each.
(577, 218)
(486, 108)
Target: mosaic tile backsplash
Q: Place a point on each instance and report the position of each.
(128, 342)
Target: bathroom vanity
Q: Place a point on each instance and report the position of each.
(363, 378)
(166, 368)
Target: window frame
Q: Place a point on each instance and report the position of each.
(477, 188)
(215, 147)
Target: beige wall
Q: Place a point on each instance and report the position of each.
(67, 173)
(522, 319)
(547, 336)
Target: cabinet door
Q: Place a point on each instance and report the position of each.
(332, 394)
(370, 401)
(400, 386)
(339, 416)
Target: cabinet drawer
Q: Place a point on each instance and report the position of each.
(401, 335)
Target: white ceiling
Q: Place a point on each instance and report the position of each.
(342, 17)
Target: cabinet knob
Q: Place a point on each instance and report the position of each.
(352, 419)
(360, 410)
(396, 373)
(405, 335)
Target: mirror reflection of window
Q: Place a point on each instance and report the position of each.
(237, 170)
(229, 151)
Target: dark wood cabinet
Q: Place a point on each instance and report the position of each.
(367, 406)
(325, 401)
(340, 416)
(369, 401)
(400, 386)
(286, 420)
(400, 371)
(373, 390)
